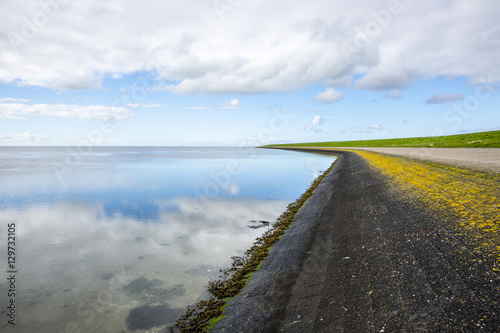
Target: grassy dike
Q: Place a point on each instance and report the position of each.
(489, 139)
(205, 314)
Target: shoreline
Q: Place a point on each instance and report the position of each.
(370, 257)
(245, 271)
(254, 309)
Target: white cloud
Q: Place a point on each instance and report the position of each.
(444, 98)
(151, 105)
(369, 129)
(192, 44)
(26, 136)
(395, 94)
(328, 96)
(15, 100)
(92, 112)
(386, 77)
(317, 122)
(77, 82)
(232, 104)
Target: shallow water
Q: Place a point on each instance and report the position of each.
(122, 239)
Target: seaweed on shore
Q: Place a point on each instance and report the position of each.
(233, 279)
(258, 224)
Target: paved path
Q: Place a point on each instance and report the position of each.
(483, 159)
(364, 258)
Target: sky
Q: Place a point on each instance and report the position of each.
(245, 72)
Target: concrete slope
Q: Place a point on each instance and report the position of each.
(364, 258)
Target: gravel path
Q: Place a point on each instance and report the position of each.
(482, 159)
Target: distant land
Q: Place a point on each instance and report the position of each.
(489, 139)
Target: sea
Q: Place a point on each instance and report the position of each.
(122, 239)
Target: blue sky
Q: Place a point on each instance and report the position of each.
(241, 72)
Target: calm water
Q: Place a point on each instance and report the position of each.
(122, 239)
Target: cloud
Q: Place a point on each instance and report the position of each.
(369, 129)
(475, 130)
(328, 96)
(9, 99)
(92, 112)
(231, 105)
(444, 98)
(385, 78)
(395, 94)
(196, 50)
(26, 136)
(151, 105)
(317, 122)
(77, 82)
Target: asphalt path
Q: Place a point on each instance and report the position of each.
(363, 257)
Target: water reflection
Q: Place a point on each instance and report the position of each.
(68, 250)
(128, 239)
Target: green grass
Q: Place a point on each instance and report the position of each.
(481, 139)
(215, 320)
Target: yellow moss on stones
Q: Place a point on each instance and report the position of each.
(470, 199)
(466, 200)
